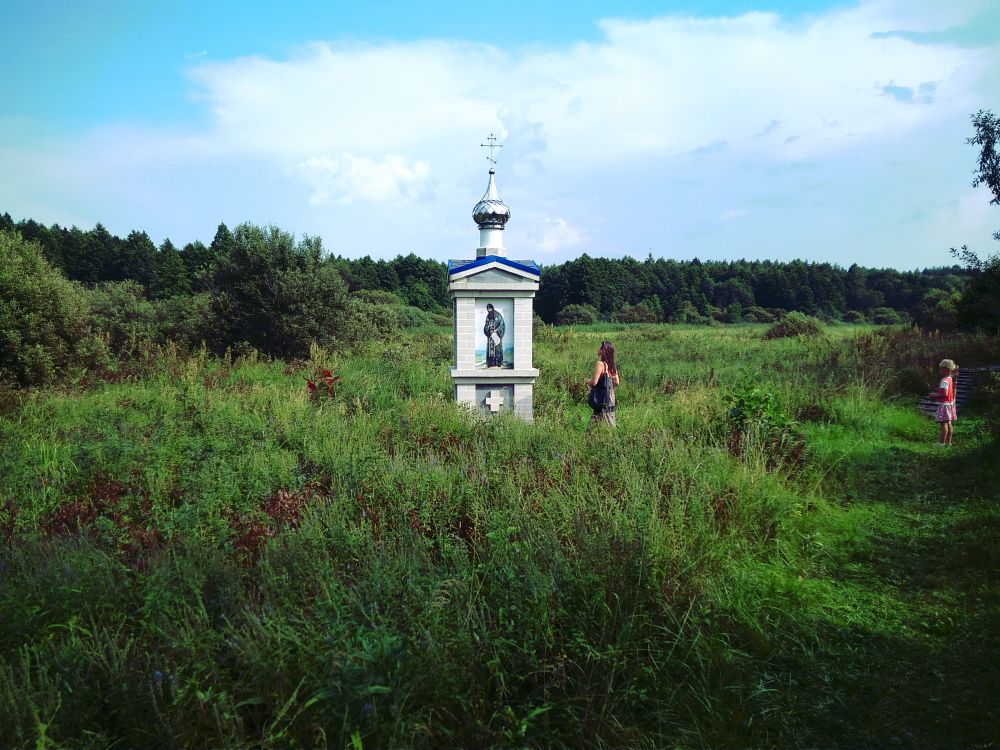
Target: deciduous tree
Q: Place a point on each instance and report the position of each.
(979, 306)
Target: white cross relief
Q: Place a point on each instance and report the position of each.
(495, 400)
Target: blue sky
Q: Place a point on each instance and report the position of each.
(719, 130)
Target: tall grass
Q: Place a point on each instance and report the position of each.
(198, 552)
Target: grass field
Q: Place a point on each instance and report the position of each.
(769, 551)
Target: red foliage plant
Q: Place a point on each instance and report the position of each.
(324, 384)
(283, 509)
(125, 506)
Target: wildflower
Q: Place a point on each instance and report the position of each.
(158, 677)
(311, 385)
(368, 708)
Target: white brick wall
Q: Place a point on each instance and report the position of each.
(523, 308)
(524, 401)
(465, 324)
(466, 393)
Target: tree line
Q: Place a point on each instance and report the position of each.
(579, 291)
(674, 291)
(96, 255)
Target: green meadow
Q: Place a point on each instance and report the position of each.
(769, 551)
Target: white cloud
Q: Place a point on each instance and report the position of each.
(554, 234)
(348, 177)
(656, 87)
(360, 99)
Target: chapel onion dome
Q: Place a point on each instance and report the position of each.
(491, 212)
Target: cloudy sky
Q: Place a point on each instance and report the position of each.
(719, 130)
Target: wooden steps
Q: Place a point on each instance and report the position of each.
(966, 382)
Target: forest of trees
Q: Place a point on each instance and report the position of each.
(578, 291)
(695, 292)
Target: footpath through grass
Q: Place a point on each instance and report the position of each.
(909, 655)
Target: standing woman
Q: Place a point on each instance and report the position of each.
(606, 380)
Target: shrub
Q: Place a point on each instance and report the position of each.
(853, 316)
(938, 310)
(413, 317)
(440, 319)
(909, 380)
(732, 314)
(757, 422)
(384, 320)
(885, 316)
(122, 313)
(576, 315)
(794, 324)
(278, 296)
(186, 321)
(378, 297)
(45, 325)
(637, 314)
(542, 331)
(758, 315)
(688, 313)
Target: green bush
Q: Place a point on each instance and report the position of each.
(637, 314)
(690, 314)
(937, 311)
(389, 319)
(413, 317)
(853, 316)
(441, 319)
(757, 314)
(378, 297)
(187, 321)
(384, 320)
(577, 315)
(885, 316)
(279, 296)
(45, 324)
(794, 324)
(125, 317)
(910, 380)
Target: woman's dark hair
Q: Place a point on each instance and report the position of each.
(607, 355)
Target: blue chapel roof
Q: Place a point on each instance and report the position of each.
(527, 266)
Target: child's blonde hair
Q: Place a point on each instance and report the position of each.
(947, 364)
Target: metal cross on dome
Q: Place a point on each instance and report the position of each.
(495, 400)
(491, 145)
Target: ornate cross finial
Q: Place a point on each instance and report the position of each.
(491, 145)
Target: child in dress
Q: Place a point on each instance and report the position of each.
(945, 396)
